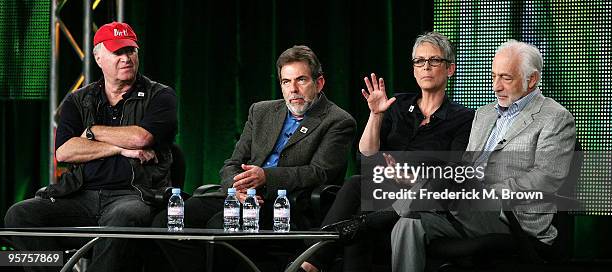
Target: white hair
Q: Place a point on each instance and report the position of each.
(97, 48)
(531, 60)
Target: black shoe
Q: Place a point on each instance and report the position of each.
(347, 229)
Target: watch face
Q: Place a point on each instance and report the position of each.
(89, 134)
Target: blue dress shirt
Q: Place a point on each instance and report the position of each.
(289, 126)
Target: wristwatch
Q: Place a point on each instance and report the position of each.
(89, 134)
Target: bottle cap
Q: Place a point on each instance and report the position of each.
(282, 192)
(176, 191)
(231, 191)
(251, 192)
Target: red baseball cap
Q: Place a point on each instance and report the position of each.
(115, 36)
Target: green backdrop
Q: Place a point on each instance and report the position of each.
(219, 56)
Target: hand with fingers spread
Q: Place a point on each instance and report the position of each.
(376, 95)
(144, 155)
(252, 177)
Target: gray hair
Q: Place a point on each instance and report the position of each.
(98, 46)
(303, 54)
(531, 60)
(437, 40)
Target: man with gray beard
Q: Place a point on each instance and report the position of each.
(296, 143)
(313, 135)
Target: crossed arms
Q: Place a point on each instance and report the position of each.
(127, 141)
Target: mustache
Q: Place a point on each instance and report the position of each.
(297, 96)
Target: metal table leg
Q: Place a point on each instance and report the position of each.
(244, 257)
(75, 258)
(300, 259)
(210, 255)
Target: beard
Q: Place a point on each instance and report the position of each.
(299, 109)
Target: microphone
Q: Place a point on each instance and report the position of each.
(502, 141)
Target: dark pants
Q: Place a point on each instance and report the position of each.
(376, 235)
(85, 208)
(190, 255)
(205, 212)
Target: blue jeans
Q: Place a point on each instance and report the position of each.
(122, 208)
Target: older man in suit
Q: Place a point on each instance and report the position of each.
(524, 140)
(296, 143)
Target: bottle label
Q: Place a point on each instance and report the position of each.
(175, 211)
(281, 212)
(231, 212)
(249, 213)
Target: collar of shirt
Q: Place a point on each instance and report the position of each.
(440, 113)
(100, 86)
(517, 106)
(289, 126)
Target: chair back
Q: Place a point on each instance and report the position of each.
(177, 168)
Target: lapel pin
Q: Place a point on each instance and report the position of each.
(411, 108)
(303, 129)
(140, 94)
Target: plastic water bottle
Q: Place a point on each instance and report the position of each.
(176, 211)
(250, 212)
(282, 211)
(231, 211)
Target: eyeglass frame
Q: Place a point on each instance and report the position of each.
(428, 61)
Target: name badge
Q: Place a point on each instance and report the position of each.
(140, 94)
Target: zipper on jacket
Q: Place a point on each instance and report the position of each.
(132, 183)
(131, 166)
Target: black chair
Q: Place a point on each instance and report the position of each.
(518, 250)
(177, 177)
(313, 204)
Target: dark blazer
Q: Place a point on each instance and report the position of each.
(315, 154)
(535, 155)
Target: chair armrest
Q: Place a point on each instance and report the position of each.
(162, 195)
(209, 190)
(300, 198)
(41, 193)
(322, 198)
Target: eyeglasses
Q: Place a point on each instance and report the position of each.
(434, 62)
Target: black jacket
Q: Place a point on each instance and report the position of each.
(146, 178)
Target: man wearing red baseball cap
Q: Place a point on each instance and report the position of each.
(116, 52)
(116, 133)
(115, 36)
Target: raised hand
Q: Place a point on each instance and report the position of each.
(376, 95)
